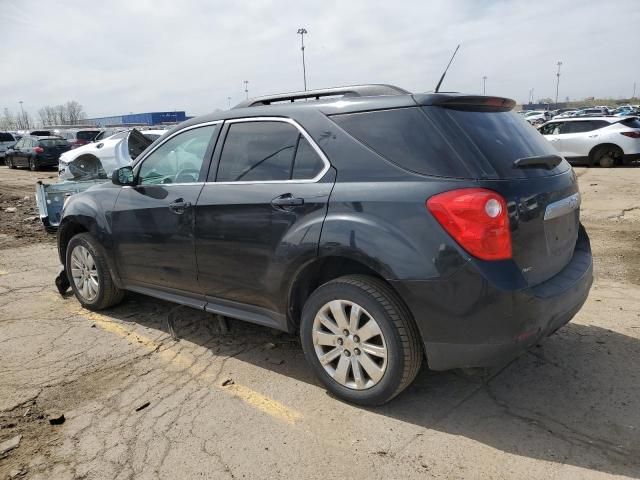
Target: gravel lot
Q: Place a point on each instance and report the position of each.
(243, 404)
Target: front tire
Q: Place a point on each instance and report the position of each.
(89, 274)
(9, 163)
(360, 340)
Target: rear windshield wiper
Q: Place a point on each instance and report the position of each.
(543, 161)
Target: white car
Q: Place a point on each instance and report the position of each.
(604, 141)
(99, 159)
(537, 117)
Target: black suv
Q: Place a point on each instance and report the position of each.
(36, 152)
(383, 226)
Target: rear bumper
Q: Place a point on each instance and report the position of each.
(47, 161)
(466, 321)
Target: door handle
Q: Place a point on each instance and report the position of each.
(286, 202)
(179, 206)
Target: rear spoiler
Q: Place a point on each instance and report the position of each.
(474, 103)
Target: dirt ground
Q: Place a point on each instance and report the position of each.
(243, 404)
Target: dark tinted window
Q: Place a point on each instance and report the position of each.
(308, 163)
(43, 133)
(257, 151)
(582, 126)
(404, 136)
(492, 141)
(53, 142)
(6, 137)
(87, 135)
(631, 122)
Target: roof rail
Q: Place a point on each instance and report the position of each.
(372, 90)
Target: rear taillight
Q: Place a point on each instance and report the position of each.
(477, 219)
(632, 134)
(38, 149)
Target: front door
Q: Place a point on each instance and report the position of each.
(153, 221)
(263, 214)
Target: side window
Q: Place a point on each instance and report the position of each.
(179, 160)
(308, 163)
(580, 127)
(20, 143)
(551, 128)
(257, 151)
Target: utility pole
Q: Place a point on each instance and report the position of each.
(22, 122)
(302, 32)
(634, 90)
(558, 82)
(246, 88)
(484, 85)
(229, 100)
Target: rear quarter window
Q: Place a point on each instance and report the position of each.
(406, 137)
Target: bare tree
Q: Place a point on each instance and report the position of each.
(7, 121)
(60, 114)
(23, 121)
(74, 112)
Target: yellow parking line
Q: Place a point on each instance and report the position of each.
(198, 370)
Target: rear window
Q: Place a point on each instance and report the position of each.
(445, 142)
(631, 122)
(53, 142)
(494, 140)
(87, 135)
(6, 137)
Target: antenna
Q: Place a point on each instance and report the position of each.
(445, 70)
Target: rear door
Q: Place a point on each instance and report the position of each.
(153, 221)
(580, 136)
(260, 216)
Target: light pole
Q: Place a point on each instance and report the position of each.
(558, 82)
(302, 32)
(246, 88)
(229, 101)
(484, 85)
(22, 122)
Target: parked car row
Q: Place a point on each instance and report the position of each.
(538, 117)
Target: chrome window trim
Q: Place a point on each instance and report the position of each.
(562, 207)
(141, 159)
(302, 131)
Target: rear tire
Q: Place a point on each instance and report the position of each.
(393, 343)
(33, 166)
(607, 156)
(89, 274)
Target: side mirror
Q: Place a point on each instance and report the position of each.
(123, 176)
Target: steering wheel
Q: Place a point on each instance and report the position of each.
(192, 173)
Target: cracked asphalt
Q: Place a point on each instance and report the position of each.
(243, 404)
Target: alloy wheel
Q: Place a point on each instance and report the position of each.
(349, 344)
(84, 273)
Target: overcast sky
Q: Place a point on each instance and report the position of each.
(121, 56)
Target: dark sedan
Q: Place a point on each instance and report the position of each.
(36, 152)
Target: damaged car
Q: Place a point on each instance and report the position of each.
(89, 165)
